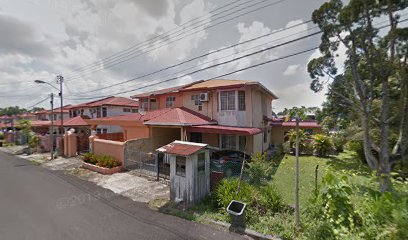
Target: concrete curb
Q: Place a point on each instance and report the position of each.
(251, 233)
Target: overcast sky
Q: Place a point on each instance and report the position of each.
(44, 38)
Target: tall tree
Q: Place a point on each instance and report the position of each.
(371, 68)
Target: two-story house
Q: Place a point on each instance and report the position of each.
(229, 114)
(106, 107)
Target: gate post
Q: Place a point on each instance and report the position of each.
(156, 161)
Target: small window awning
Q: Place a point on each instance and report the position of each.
(225, 130)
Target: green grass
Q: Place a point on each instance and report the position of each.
(346, 163)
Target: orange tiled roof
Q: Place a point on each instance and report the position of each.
(109, 101)
(180, 117)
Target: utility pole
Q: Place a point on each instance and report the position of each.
(52, 126)
(60, 80)
(297, 222)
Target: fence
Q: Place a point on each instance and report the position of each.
(140, 157)
(111, 136)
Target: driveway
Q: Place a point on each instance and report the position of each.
(36, 203)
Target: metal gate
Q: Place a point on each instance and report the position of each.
(140, 157)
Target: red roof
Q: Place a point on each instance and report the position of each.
(109, 101)
(182, 148)
(76, 121)
(179, 117)
(163, 91)
(292, 124)
(246, 131)
(40, 123)
(124, 117)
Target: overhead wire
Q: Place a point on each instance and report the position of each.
(196, 58)
(141, 52)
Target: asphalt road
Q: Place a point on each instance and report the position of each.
(36, 203)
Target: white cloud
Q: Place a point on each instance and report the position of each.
(291, 70)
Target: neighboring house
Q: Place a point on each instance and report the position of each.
(229, 114)
(106, 107)
(48, 115)
(280, 128)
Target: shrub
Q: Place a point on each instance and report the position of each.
(226, 191)
(34, 141)
(286, 147)
(1, 136)
(107, 161)
(272, 199)
(308, 148)
(292, 140)
(339, 141)
(89, 158)
(322, 144)
(259, 169)
(357, 147)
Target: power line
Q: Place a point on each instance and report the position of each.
(32, 106)
(141, 52)
(197, 57)
(172, 79)
(157, 36)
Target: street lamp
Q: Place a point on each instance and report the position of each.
(60, 79)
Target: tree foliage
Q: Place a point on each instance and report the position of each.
(372, 89)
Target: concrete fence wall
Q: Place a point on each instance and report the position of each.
(110, 148)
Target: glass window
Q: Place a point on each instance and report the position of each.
(228, 142)
(98, 112)
(227, 99)
(181, 166)
(144, 103)
(201, 163)
(126, 110)
(241, 100)
(196, 99)
(135, 110)
(170, 101)
(104, 112)
(242, 143)
(104, 130)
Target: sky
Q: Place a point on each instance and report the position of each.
(78, 39)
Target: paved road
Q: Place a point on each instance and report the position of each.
(36, 203)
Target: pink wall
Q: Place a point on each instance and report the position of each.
(110, 148)
(135, 132)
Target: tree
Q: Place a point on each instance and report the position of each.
(373, 68)
(297, 114)
(9, 111)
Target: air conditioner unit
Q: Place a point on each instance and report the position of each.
(204, 97)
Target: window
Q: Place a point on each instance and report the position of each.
(170, 101)
(242, 143)
(228, 142)
(227, 99)
(135, 110)
(82, 112)
(152, 104)
(144, 103)
(104, 112)
(126, 110)
(98, 131)
(241, 100)
(197, 102)
(98, 112)
(181, 166)
(104, 130)
(201, 163)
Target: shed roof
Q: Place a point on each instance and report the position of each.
(182, 148)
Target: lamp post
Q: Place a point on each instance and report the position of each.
(52, 126)
(60, 80)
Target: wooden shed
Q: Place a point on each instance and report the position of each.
(189, 170)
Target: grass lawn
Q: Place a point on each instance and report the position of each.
(284, 178)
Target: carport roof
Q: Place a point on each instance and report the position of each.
(182, 148)
(246, 131)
